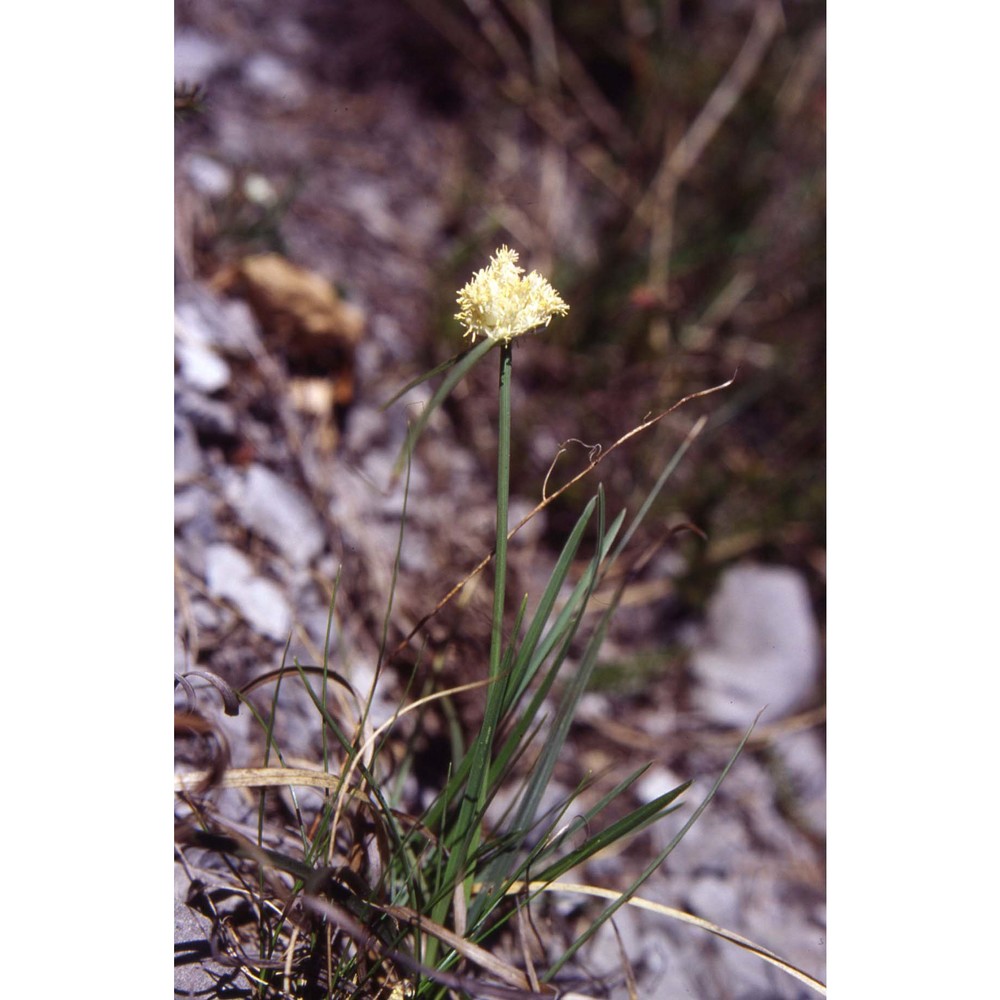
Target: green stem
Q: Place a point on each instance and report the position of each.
(503, 496)
(464, 837)
(494, 693)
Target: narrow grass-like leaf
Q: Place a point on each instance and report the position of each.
(373, 784)
(564, 714)
(650, 868)
(239, 846)
(542, 772)
(541, 775)
(524, 666)
(393, 581)
(230, 699)
(346, 921)
(261, 777)
(278, 673)
(456, 738)
(537, 887)
(563, 632)
(628, 825)
(426, 376)
(506, 679)
(459, 369)
(464, 839)
(326, 660)
(661, 481)
(548, 846)
(569, 616)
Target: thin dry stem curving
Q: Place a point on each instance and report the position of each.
(645, 425)
(656, 209)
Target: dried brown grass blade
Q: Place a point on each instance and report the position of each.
(230, 699)
(259, 777)
(680, 915)
(597, 459)
(472, 952)
(488, 991)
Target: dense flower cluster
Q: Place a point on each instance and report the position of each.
(502, 302)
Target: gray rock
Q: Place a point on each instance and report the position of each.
(197, 57)
(369, 200)
(188, 462)
(194, 973)
(195, 520)
(230, 576)
(208, 175)
(192, 503)
(715, 898)
(181, 663)
(201, 367)
(279, 513)
(657, 781)
(604, 952)
(271, 76)
(207, 416)
(762, 647)
(228, 326)
(803, 759)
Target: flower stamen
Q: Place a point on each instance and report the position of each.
(502, 302)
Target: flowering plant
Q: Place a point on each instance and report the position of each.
(502, 302)
(409, 898)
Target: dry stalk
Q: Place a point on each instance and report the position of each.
(656, 209)
(598, 458)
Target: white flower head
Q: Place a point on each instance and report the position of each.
(502, 302)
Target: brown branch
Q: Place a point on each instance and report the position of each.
(656, 209)
(678, 162)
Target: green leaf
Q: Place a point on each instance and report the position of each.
(460, 366)
(650, 868)
(635, 821)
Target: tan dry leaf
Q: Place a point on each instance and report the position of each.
(302, 315)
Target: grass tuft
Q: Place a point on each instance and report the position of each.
(365, 896)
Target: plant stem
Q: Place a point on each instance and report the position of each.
(495, 692)
(465, 834)
(503, 495)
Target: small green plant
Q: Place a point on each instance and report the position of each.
(376, 902)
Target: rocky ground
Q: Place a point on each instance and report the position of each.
(337, 137)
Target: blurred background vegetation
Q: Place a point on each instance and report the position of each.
(663, 162)
(670, 175)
